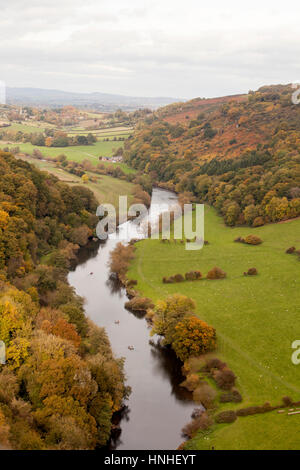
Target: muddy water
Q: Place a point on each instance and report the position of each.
(158, 407)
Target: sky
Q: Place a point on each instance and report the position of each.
(181, 49)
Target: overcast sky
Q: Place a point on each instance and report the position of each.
(178, 48)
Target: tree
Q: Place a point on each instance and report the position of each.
(232, 213)
(193, 337)
(80, 235)
(168, 313)
(85, 178)
(251, 212)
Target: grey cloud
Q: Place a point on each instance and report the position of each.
(70, 44)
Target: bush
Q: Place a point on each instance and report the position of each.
(258, 222)
(254, 410)
(216, 273)
(205, 395)
(193, 365)
(202, 422)
(193, 275)
(252, 272)
(169, 280)
(239, 240)
(290, 250)
(226, 417)
(139, 304)
(251, 410)
(191, 382)
(225, 378)
(215, 363)
(131, 282)
(234, 397)
(287, 401)
(179, 278)
(120, 259)
(253, 240)
(172, 279)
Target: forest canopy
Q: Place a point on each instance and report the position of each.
(61, 383)
(240, 154)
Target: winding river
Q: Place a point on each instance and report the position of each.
(158, 407)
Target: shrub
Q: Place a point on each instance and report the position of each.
(193, 365)
(267, 407)
(234, 397)
(253, 240)
(258, 222)
(251, 410)
(239, 240)
(254, 410)
(179, 278)
(120, 259)
(139, 304)
(214, 363)
(290, 250)
(172, 279)
(193, 337)
(252, 272)
(193, 275)
(191, 382)
(287, 401)
(225, 378)
(205, 395)
(228, 416)
(216, 273)
(202, 422)
(131, 282)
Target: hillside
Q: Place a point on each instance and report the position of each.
(61, 383)
(238, 153)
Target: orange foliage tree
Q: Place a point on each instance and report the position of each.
(193, 337)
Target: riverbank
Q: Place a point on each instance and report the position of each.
(158, 407)
(254, 317)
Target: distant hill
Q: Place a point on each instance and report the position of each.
(100, 101)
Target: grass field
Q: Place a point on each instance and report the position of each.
(102, 133)
(106, 190)
(76, 153)
(39, 127)
(256, 318)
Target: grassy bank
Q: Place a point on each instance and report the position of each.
(256, 318)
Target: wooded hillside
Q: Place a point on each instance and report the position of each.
(60, 384)
(240, 153)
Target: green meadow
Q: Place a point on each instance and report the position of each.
(76, 153)
(107, 189)
(256, 318)
(28, 128)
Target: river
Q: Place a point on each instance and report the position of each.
(158, 407)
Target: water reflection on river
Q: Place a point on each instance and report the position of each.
(158, 407)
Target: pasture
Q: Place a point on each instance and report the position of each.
(256, 318)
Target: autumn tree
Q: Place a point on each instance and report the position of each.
(193, 337)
